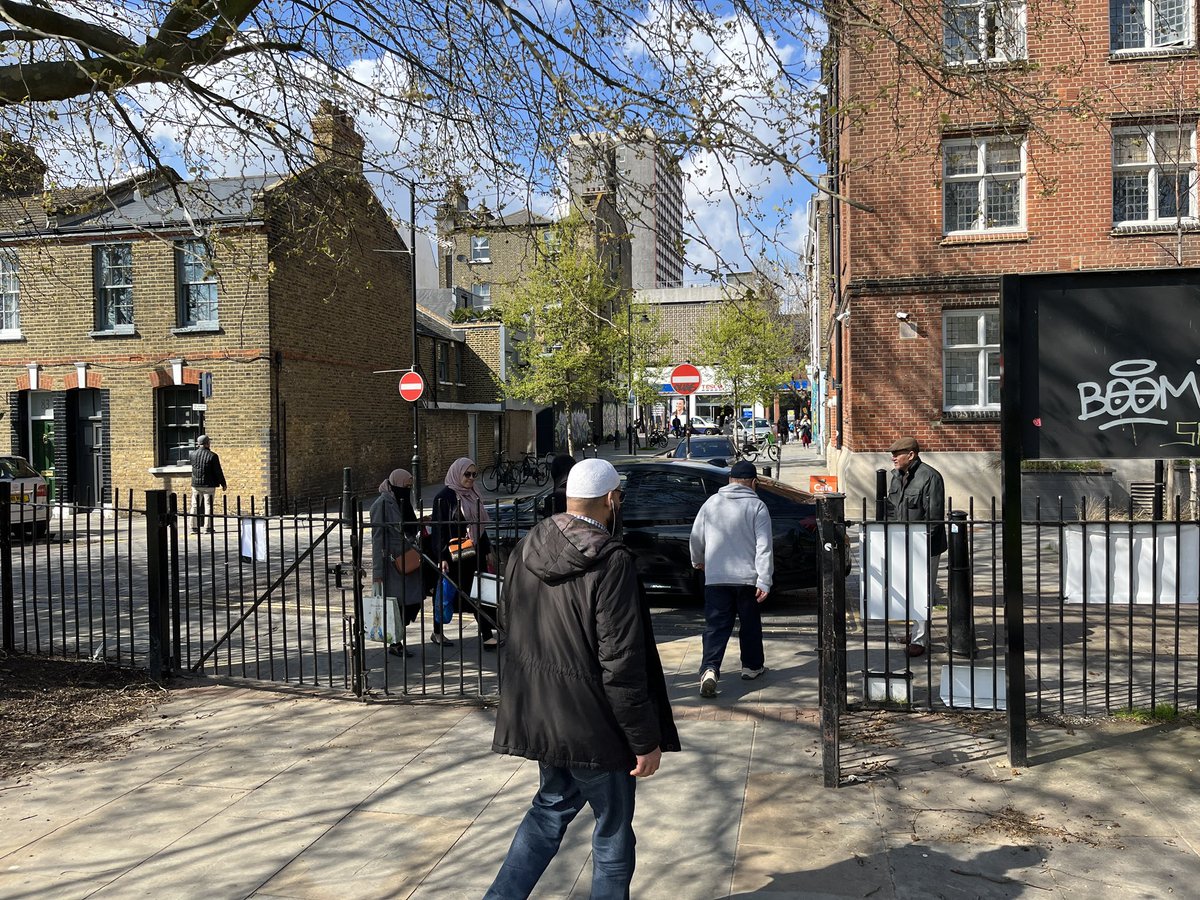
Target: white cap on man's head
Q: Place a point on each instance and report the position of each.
(592, 478)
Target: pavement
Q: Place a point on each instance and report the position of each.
(234, 789)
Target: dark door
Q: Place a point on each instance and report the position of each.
(88, 433)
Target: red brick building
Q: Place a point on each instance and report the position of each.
(1000, 138)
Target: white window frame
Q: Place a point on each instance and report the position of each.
(481, 248)
(982, 178)
(987, 35)
(1152, 167)
(10, 294)
(105, 285)
(481, 295)
(188, 255)
(984, 349)
(1149, 41)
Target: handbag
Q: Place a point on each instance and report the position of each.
(461, 549)
(408, 562)
(381, 619)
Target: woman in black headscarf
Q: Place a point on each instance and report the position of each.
(395, 530)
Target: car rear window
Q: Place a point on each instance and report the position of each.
(12, 467)
(665, 494)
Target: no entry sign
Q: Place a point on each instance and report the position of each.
(685, 378)
(412, 386)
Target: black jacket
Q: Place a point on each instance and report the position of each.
(448, 524)
(920, 496)
(206, 469)
(583, 686)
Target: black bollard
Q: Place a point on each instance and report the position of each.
(962, 618)
(881, 488)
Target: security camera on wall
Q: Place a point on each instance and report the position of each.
(902, 316)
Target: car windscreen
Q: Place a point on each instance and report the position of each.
(704, 448)
(655, 495)
(12, 467)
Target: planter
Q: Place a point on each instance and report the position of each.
(1117, 561)
(1071, 486)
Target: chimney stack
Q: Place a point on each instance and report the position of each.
(335, 138)
(21, 169)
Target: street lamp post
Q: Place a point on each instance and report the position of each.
(629, 400)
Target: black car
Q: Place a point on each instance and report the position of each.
(662, 500)
(719, 448)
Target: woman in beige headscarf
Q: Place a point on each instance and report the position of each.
(459, 512)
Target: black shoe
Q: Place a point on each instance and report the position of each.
(399, 650)
(915, 650)
(439, 638)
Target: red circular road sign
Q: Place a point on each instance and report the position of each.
(412, 386)
(685, 379)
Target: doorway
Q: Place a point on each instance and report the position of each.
(87, 431)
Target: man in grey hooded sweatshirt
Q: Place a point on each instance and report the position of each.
(731, 541)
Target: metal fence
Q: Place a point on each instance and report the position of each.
(1108, 612)
(260, 592)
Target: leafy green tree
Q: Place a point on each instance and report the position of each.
(565, 306)
(745, 346)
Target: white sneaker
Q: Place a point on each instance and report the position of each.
(751, 674)
(708, 683)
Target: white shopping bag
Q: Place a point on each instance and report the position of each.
(381, 619)
(487, 589)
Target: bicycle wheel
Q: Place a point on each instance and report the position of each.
(539, 472)
(773, 452)
(491, 477)
(750, 452)
(660, 440)
(511, 479)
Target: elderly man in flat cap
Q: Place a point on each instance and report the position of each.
(918, 494)
(584, 692)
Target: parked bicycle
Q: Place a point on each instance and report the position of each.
(750, 449)
(657, 438)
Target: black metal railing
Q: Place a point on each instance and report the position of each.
(257, 591)
(1109, 612)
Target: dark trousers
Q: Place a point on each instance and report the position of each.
(562, 794)
(463, 576)
(722, 604)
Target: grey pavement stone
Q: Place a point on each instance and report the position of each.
(368, 854)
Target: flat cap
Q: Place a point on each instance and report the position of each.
(743, 469)
(904, 444)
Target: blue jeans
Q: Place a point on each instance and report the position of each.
(563, 793)
(722, 603)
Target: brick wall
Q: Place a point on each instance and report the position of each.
(341, 310)
(57, 317)
(895, 255)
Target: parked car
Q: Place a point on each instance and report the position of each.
(28, 495)
(662, 499)
(748, 427)
(717, 448)
(702, 425)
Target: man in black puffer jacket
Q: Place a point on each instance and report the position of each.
(206, 478)
(583, 690)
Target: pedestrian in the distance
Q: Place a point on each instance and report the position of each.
(805, 432)
(556, 500)
(584, 692)
(732, 543)
(206, 478)
(459, 514)
(917, 493)
(395, 533)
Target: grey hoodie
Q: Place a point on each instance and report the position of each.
(731, 538)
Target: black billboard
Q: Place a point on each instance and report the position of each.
(1107, 365)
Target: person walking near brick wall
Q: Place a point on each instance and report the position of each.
(206, 478)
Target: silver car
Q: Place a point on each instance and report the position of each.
(28, 494)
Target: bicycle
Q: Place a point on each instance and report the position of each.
(503, 473)
(657, 438)
(533, 468)
(751, 448)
